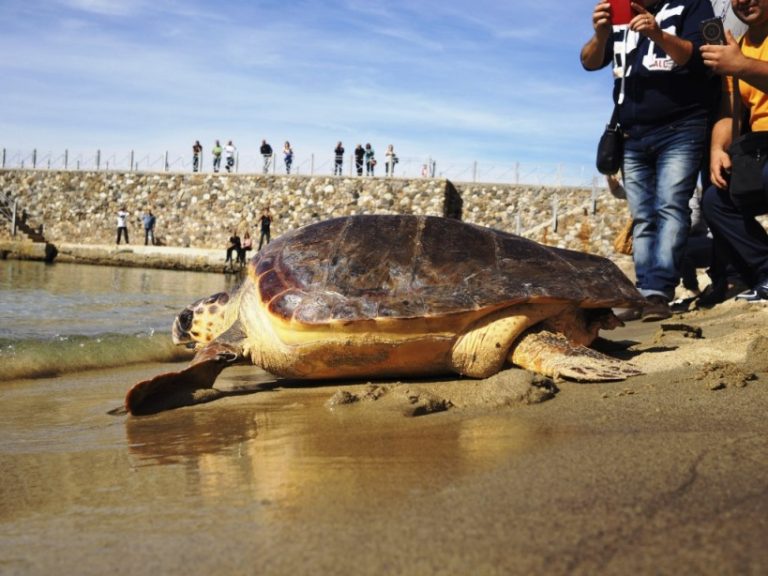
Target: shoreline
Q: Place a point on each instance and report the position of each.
(130, 255)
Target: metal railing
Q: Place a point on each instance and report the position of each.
(309, 165)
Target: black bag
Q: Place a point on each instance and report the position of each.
(748, 157)
(610, 149)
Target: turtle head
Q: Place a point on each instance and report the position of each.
(202, 321)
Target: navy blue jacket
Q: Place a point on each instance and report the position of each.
(658, 91)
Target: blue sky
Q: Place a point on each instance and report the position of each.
(494, 82)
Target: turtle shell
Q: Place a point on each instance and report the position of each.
(367, 267)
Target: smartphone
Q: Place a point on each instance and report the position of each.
(712, 31)
(621, 12)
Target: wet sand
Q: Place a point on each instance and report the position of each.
(664, 473)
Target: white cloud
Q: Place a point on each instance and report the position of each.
(106, 7)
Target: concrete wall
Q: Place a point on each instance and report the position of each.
(200, 210)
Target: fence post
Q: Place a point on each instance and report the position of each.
(517, 172)
(131, 168)
(518, 223)
(3, 157)
(98, 159)
(554, 212)
(166, 161)
(312, 164)
(34, 158)
(13, 217)
(66, 159)
(594, 195)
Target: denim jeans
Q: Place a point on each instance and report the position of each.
(660, 173)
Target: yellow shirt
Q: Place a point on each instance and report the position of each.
(755, 100)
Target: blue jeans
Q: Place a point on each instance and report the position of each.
(660, 173)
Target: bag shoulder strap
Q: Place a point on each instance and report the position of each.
(737, 110)
(614, 122)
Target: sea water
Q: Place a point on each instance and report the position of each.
(61, 318)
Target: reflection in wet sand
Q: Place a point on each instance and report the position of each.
(289, 450)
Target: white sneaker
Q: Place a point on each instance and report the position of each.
(750, 296)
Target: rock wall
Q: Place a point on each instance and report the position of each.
(201, 210)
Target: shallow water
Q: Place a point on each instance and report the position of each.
(67, 317)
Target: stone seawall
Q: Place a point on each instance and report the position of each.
(200, 210)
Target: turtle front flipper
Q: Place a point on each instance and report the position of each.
(554, 355)
(194, 384)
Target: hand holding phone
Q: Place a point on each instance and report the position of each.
(713, 32)
(621, 12)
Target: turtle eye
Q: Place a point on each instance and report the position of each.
(185, 320)
(220, 297)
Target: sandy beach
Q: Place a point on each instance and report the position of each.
(663, 473)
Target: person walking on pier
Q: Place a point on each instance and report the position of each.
(233, 249)
(266, 222)
(122, 225)
(149, 228)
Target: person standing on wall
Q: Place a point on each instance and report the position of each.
(338, 159)
(359, 159)
(216, 151)
(370, 160)
(390, 160)
(122, 225)
(229, 153)
(197, 155)
(287, 156)
(663, 92)
(266, 154)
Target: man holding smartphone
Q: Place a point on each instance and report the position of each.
(738, 236)
(664, 94)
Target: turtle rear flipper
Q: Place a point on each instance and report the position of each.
(554, 355)
(193, 385)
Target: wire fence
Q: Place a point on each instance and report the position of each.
(310, 165)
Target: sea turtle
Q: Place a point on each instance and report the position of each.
(392, 296)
